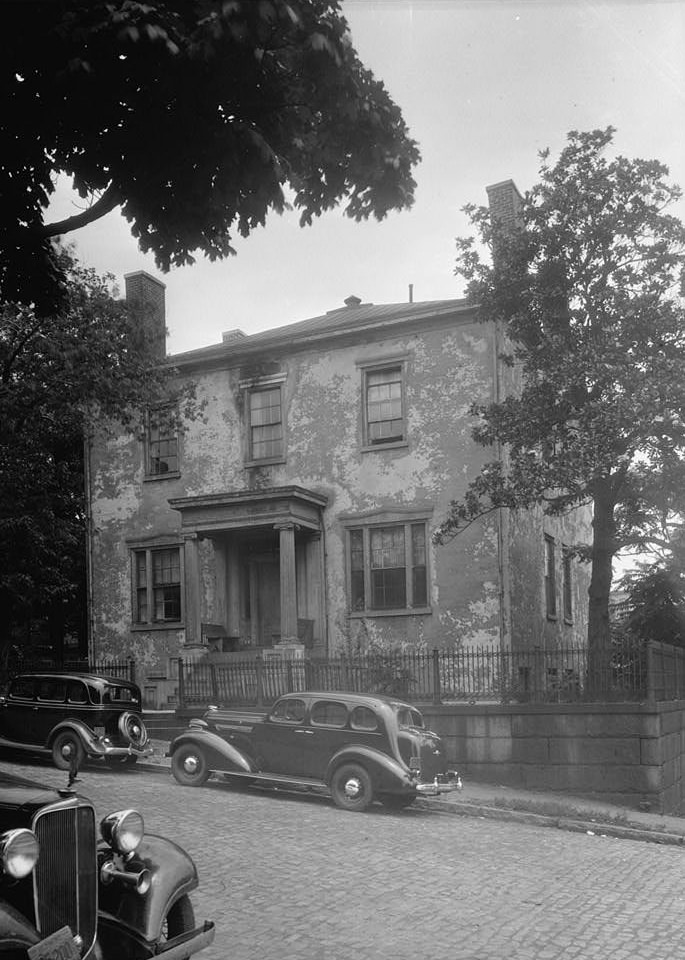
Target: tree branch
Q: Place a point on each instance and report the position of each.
(110, 199)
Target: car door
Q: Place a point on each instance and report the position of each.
(17, 716)
(327, 732)
(282, 738)
(49, 709)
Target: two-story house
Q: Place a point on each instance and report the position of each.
(299, 508)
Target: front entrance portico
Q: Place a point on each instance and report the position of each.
(264, 569)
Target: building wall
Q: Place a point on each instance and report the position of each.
(448, 367)
(626, 753)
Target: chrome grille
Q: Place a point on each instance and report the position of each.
(65, 878)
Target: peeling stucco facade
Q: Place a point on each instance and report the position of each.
(264, 547)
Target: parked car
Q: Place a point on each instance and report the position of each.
(67, 895)
(74, 716)
(357, 747)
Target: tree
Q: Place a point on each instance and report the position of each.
(192, 116)
(586, 288)
(92, 358)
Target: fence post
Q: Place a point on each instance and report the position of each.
(260, 680)
(181, 691)
(215, 685)
(132, 670)
(437, 693)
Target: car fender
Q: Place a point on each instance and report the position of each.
(15, 930)
(86, 735)
(386, 772)
(172, 873)
(218, 751)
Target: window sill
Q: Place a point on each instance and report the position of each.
(154, 477)
(167, 625)
(402, 612)
(266, 462)
(375, 447)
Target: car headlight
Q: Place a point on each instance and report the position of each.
(18, 852)
(123, 830)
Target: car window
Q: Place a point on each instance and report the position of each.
(76, 692)
(406, 717)
(22, 689)
(112, 694)
(289, 711)
(363, 718)
(52, 689)
(329, 713)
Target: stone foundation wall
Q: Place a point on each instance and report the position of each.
(627, 753)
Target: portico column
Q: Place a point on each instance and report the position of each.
(192, 588)
(288, 581)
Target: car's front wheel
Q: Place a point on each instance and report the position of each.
(179, 918)
(351, 787)
(189, 766)
(67, 751)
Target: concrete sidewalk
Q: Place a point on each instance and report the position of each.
(498, 802)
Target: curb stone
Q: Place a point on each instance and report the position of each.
(599, 828)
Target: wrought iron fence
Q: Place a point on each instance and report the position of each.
(440, 676)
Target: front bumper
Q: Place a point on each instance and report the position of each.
(445, 783)
(188, 943)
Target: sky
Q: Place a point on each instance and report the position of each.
(484, 85)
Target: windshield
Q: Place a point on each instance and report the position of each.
(406, 717)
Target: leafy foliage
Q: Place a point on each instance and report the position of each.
(90, 360)
(586, 289)
(193, 116)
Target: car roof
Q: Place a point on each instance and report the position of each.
(74, 675)
(349, 696)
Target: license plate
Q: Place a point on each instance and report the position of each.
(58, 946)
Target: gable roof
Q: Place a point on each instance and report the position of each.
(346, 320)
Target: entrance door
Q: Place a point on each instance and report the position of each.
(266, 602)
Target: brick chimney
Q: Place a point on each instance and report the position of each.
(505, 204)
(146, 294)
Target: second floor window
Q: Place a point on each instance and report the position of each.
(266, 424)
(383, 403)
(161, 443)
(157, 594)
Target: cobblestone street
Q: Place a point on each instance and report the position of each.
(290, 876)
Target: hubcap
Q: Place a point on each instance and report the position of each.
(190, 764)
(67, 750)
(353, 788)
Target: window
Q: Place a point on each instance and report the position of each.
(363, 718)
(384, 405)
(387, 567)
(567, 584)
(289, 711)
(329, 713)
(161, 443)
(266, 424)
(550, 578)
(54, 690)
(157, 574)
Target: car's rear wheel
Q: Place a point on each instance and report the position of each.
(351, 788)
(189, 766)
(179, 918)
(67, 751)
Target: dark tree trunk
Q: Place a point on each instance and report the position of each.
(599, 627)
